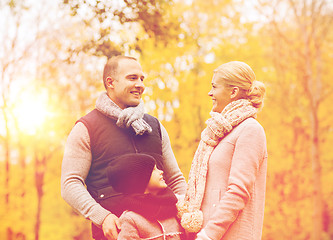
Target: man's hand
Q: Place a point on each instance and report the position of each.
(111, 226)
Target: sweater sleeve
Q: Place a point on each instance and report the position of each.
(174, 177)
(249, 154)
(75, 168)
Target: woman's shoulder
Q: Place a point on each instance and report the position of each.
(249, 126)
(250, 123)
(251, 130)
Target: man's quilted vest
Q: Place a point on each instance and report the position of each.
(108, 141)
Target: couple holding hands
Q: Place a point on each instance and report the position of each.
(119, 170)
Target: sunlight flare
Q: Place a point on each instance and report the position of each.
(31, 112)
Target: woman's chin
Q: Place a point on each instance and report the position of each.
(215, 110)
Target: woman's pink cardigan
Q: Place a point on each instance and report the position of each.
(234, 199)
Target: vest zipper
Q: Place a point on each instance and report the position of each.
(134, 146)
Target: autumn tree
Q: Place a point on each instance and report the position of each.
(34, 72)
(114, 20)
(14, 52)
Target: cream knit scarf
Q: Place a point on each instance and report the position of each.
(218, 126)
(128, 117)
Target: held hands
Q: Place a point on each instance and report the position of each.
(111, 226)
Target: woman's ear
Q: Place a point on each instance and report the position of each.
(235, 92)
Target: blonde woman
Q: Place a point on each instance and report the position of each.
(226, 189)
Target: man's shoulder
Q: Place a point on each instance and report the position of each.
(152, 121)
(148, 116)
(91, 114)
(91, 117)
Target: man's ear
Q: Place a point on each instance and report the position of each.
(235, 91)
(109, 82)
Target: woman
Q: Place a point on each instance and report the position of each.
(226, 188)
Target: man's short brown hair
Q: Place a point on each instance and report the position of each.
(111, 67)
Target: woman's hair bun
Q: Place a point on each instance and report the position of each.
(256, 94)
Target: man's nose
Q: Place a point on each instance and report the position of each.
(139, 83)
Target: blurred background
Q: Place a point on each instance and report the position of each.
(52, 54)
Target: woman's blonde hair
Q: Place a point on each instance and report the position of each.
(239, 74)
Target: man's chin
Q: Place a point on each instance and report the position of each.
(134, 104)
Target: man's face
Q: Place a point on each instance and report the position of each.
(127, 86)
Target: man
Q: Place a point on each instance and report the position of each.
(117, 126)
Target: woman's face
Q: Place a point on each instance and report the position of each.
(220, 95)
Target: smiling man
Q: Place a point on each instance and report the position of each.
(117, 126)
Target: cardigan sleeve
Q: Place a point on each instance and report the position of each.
(248, 156)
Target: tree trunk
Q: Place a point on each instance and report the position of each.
(316, 175)
(39, 182)
(7, 155)
(312, 86)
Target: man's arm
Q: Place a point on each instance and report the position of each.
(75, 168)
(174, 177)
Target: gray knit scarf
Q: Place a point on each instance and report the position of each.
(128, 117)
